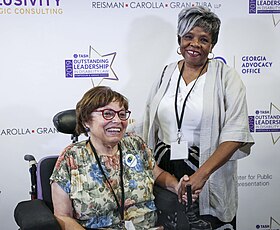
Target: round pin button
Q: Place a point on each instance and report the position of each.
(130, 160)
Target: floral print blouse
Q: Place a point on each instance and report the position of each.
(94, 205)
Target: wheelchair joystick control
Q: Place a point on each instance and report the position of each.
(194, 221)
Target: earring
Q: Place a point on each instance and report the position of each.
(87, 129)
(211, 55)
(178, 51)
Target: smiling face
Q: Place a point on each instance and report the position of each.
(195, 46)
(106, 132)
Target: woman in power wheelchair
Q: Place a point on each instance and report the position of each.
(107, 181)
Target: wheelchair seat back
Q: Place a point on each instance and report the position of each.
(44, 171)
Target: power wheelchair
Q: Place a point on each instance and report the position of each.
(37, 213)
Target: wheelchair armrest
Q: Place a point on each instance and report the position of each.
(34, 215)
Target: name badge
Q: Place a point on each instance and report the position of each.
(129, 225)
(179, 150)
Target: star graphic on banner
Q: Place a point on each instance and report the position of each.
(275, 19)
(272, 109)
(273, 223)
(110, 56)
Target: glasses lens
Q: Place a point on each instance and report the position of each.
(123, 115)
(108, 114)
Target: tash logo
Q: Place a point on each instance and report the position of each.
(91, 65)
(266, 121)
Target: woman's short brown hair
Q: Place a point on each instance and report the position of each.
(93, 99)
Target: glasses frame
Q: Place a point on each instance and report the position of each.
(116, 112)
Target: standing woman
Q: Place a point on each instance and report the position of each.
(196, 118)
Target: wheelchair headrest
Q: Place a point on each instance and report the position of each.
(65, 121)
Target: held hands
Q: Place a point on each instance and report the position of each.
(182, 193)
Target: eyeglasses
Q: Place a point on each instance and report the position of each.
(109, 114)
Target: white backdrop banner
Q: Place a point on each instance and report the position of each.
(52, 51)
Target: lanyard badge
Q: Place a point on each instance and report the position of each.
(119, 205)
(179, 148)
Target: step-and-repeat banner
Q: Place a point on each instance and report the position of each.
(52, 51)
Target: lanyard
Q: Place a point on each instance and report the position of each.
(120, 206)
(179, 120)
